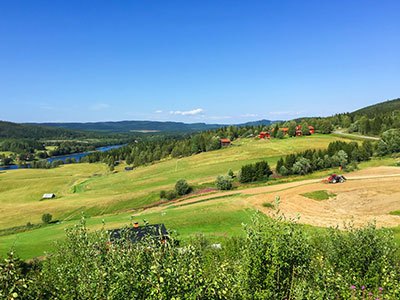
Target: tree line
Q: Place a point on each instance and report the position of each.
(338, 154)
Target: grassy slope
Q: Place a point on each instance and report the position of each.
(216, 218)
(91, 188)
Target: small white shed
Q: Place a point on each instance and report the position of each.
(48, 196)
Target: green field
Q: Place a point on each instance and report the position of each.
(92, 189)
(215, 219)
(319, 195)
(95, 190)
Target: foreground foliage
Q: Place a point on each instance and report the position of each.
(278, 259)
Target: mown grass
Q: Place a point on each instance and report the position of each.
(319, 195)
(95, 190)
(215, 220)
(100, 194)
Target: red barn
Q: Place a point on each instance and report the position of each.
(312, 129)
(225, 142)
(284, 130)
(298, 130)
(264, 135)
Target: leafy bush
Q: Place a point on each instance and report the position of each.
(46, 218)
(224, 182)
(302, 166)
(182, 187)
(163, 194)
(170, 195)
(268, 205)
(13, 278)
(390, 142)
(277, 259)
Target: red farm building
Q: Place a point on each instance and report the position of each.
(225, 142)
(298, 130)
(285, 130)
(264, 135)
(312, 129)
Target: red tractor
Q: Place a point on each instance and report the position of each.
(334, 178)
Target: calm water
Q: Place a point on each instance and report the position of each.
(76, 156)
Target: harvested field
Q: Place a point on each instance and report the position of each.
(368, 195)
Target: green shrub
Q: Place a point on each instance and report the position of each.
(163, 194)
(268, 205)
(224, 182)
(182, 187)
(46, 218)
(14, 282)
(276, 259)
(170, 195)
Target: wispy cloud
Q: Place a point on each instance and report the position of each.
(192, 112)
(47, 107)
(288, 113)
(159, 111)
(99, 106)
(249, 115)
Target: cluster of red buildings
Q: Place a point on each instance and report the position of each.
(299, 132)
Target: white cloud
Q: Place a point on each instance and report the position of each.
(249, 115)
(288, 113)
(159, 111)
(192, 112)
(47, 107)
(99, 106)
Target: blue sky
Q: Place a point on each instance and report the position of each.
(195, 61)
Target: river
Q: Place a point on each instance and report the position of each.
(76, 156)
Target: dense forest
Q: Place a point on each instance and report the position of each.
(371, 120)
(20, 131)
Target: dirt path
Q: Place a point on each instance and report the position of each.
(369, 194)
(366, 137)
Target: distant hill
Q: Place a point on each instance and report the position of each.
(260, 122)
(379, 108)
(145, 126)
(14, 130)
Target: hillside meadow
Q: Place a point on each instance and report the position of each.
(95, 190)
(115, 199)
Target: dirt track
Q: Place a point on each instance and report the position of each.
(368, 195)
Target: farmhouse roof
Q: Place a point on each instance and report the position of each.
(136, 234)
(48, 196)
(225, 140)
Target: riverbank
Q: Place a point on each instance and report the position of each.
(64, 158)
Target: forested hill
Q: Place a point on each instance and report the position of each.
(370, 120)
(382, 108)
(15, 131)
(144, 126)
